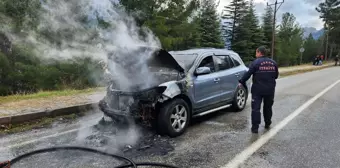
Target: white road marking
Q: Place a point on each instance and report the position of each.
(244, 155)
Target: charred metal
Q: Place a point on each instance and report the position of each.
(142, 104)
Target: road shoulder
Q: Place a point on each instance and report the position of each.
(26, 110)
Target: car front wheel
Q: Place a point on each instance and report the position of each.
(173, 118)
(240, 98)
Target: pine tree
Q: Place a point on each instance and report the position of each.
(194, 38)
(25, 13)
(249, 34)
(290, 35)
(210, 32)
(256, 38)
(267, 26)
(168, 22)
(311, 49)
(330, 12)
(233, 14)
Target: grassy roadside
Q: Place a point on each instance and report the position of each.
(299, 71)
(37, 124)
(47, 94)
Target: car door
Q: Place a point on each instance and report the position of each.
(207, 88)
(240, 70)
(229, 75)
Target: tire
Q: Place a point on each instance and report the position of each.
(240, 99)
(171, 113)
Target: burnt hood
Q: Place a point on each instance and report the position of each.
(158, 57)
(162, 58)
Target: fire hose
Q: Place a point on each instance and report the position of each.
(130, 163)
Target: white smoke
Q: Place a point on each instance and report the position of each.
(108, 137)
(97, 29)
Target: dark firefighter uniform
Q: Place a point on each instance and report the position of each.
(265, 72)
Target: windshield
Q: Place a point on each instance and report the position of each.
(185, 60)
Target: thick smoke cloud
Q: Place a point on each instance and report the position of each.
(97, 29)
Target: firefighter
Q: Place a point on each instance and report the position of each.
(265, 72)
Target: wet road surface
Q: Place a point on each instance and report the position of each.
(312, 139)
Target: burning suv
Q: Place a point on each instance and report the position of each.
(190, 83)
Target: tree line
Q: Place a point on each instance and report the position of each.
(245, 33)
(179, 25)
(330, 13)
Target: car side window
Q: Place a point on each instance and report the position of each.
(208, 62)
(224, 62)
(236, 62)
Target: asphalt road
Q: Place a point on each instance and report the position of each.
(311, 139)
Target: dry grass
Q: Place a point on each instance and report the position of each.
(304, 66)
(36, 124)
(303, 70)
(46, 94)
(40, 104)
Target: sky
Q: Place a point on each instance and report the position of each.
(303, 10)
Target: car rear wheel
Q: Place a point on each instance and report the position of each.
(240, 98)
(173, 118)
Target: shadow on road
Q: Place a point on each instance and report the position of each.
(149, 142)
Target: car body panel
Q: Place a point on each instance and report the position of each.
(207, 90)
(230, 77)
(172, 89)
(228, 83)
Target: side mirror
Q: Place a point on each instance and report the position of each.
(202, 71)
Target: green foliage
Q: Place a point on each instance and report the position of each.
(4, 71)
(234, 13)
(330, 13)
(290, 36)
(311, 48)
(255, 36)
(247, 33)
(209, 26)
(24, 13)
(170, 23)
(267, 27)
(28, 74)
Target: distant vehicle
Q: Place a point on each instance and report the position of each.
(204, 81)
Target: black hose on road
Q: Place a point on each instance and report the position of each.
(53, 149)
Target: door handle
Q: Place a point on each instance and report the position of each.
(237, 74)
(217, 79)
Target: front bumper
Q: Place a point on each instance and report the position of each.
(113, 113)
